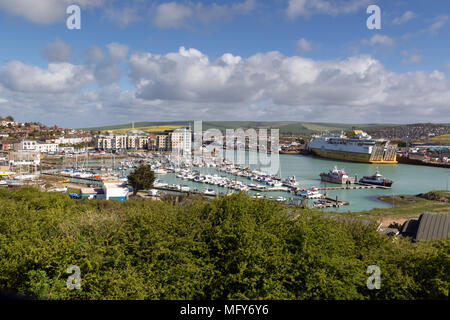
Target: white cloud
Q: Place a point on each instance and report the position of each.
(58, 77)
(408, 15)
(411, 57)
(379, 39)
(3, 100)
(57, 51)
(304, 45)
(306, 8)
(44, 11)
(94, 53)
(176, 15)
(123, 17)
(189, 84)
(172, 15)
(117, 51)
(439, 22)
(360, 82)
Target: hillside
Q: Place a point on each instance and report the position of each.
(293, 127)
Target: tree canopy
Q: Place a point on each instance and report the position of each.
(141, 178)
(234, 247)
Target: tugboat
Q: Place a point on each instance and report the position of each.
(376, 179)
(336, 176)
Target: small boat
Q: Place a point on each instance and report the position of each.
(160, 171)
(312, 193)
(376, 179)
(209, 192)
(336, 176)
(290, 182)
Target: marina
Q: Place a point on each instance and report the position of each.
(215, 176)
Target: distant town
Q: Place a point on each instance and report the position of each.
(26, 143)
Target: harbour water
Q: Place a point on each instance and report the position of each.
(408, 179)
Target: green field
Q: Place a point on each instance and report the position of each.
(159, 128)
(444, 139)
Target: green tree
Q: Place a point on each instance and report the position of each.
(9, 118)
(141, 178)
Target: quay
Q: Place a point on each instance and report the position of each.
(61, 176)
(354, 187)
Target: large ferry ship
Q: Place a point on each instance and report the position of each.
(355, 146)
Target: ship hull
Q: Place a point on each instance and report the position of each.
(333, 180)
(377, 183)
(349, 156)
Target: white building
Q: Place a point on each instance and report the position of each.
(66, 149)
(25, 145)
(30, 145)
(72, 140)
(24, 158)
(181, 140)
(132, 140)
(46, 147)
(114, 190)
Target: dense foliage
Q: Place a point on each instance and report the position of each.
(231, 248)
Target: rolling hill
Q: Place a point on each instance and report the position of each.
(293, 127)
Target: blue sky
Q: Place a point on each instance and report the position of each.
(305, 60)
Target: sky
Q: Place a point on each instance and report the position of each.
(260, 60)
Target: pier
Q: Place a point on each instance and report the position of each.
(354, 187)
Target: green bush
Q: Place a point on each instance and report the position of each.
(234, 247)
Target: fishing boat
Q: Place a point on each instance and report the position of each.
(376, 179)
(336, 176)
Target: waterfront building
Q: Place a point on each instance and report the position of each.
(151, 142)
(70, 140)
(25, 145)
(46, 147)
(88, 193)
(181, 140)
(24, 157)
(30, 145)
(133, 139)
(162, 142)
(113, 190)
